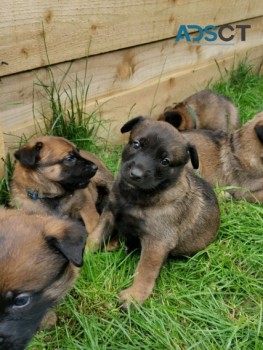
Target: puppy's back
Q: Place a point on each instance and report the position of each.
(215, 112)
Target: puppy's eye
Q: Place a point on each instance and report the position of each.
(22, 300)
(136, 144)
(70, 159)
(165, 162)
(38, 146)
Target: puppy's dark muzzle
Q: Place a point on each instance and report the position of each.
(81, 179)
(8, 344)
(136, 174)
(87, 171)
(91, 169)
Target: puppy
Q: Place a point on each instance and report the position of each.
(39, 261)
(233, 159)
(203, 110)
(53, 177)
(159, 201)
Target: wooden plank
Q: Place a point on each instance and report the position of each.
(106, 24)
(116, 77)
(171, 88)
(2, 152)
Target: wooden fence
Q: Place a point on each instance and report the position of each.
(134, 64)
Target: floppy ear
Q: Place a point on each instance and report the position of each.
(68, 238)
(131, 124)
(259, 131)
(173, 117)
(193, 156)
(29, 156)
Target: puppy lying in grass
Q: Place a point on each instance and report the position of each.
(159, 201)
(233, 159)
(203, 110)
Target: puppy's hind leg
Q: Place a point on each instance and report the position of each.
(153, 255)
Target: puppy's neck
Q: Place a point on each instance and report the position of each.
(35, 195)
(34, 182)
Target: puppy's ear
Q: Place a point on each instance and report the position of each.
(193, 156)
(259, 131)
(131, 124)
(173, 117)
(68, 238)
(29, 156)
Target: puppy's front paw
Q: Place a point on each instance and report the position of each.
(130, 295)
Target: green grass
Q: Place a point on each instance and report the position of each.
(67, 113)
(68, 118)
(5, 181)
(212, 301)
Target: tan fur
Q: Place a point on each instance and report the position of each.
(233, 159)
(203, 110)
(45, 180)
(180, 219)
(40, 255)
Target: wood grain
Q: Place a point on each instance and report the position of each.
(124, 83)
(147, 99)
(116, 77)
(74, 29)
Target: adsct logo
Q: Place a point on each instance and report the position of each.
(211, 35)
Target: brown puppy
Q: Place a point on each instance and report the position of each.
(158, 201)
(53, 177)
(233, 159)
(39, 261)
(203, 110)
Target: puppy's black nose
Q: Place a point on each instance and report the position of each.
(136, 174)
(94, 167)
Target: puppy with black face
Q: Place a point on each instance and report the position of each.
(203, 110)
(233, 159)
(39, 262)
(53, 177)
(159, 201)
